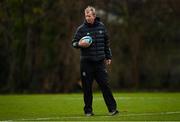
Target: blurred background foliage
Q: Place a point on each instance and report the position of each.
(36, 55)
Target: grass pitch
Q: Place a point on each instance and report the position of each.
(69, 107)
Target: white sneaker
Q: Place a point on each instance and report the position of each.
(89, 114)
(113, 112)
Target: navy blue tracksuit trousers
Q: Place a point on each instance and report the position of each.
(91, 70)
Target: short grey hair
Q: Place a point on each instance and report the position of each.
(90, 8)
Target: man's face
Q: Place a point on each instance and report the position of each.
(89, 17)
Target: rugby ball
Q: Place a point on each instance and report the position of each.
(86, 39)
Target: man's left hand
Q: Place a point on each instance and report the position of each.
(108, 61)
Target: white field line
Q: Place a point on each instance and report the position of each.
(79, 117)
(120, 98)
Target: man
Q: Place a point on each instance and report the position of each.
(94, 57)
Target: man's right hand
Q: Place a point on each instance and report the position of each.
(83, 44)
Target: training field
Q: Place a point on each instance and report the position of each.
(68, 107)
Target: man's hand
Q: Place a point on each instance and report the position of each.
(108, 61)
(83, 44)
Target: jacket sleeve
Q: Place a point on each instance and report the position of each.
(107, 46)
(76, 38)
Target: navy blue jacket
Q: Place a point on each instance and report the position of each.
(99, 49)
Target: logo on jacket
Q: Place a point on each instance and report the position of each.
(84, 74)
(100, 31)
